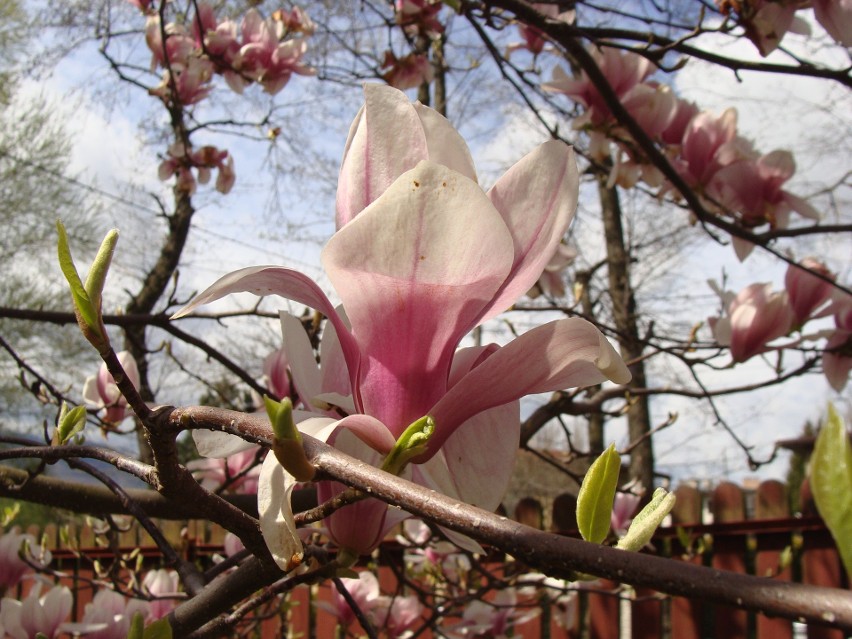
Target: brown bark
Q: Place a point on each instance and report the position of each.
(158, 279)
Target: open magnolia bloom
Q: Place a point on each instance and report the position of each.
(422, 256)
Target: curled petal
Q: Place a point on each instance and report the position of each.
(277, 524)
(277, 280)
(544, 181)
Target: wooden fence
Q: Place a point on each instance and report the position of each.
(747, 531)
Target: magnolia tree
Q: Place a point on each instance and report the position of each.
(387, 405)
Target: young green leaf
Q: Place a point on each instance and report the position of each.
(594, 503)
(137, 626)
(82, 302)
(71, 422)
(831, 483)
(158, 630)
(646, 522)
(99, 269)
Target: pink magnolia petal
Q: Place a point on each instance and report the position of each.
(91, 396)
(434, 474)
(467, 359)
(835, 16)
(303, 365)
(414, 271)
(335, 374)
(742, 248)
(800, 206)
(361, 526)
(546, 182)
(385, 141)
(445, 145)
(219, 445)
(277, 280)
(480, 455)
(369, 430)
(562, 354)
(837, 364)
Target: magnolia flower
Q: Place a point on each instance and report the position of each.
(100, 392)
(752, 187)
(494, 619)
(162, 585)
(806, 291)
(267, 60)
(12, 567)
(36, 615)
(708, 144)
(397, 615)
(684, 111)
(623, 70)
(552, 282)
(181, 162)
(365, 593)
(623, 507)
(407, 72)
(837, 354)
(178, 47)
(186, 84)
(420, 242)
(767, 21)
(755, 317)
(294, 21)
(114, 612)
(837, 359)
(238, 471)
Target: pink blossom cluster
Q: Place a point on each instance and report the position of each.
(163, 587)
(263, 51)
(766, 22)
(37, 615)
(417, 18)
(495, 618)
(181, 162)
(238, 473)
(758, 315)
(732, 177)
(407, 72)
(267, 51)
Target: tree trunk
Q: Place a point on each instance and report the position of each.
(625, 318)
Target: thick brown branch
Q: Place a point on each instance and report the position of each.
(97, 500)
(563, 556)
